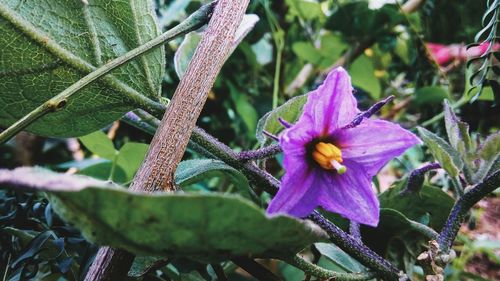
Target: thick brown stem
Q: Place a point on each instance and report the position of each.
(171, 138)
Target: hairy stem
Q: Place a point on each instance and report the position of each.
(266, 152)
(461, 208)
(416, 178)
(316, 271)
(195, 21)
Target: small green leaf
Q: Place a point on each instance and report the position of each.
(339, 257)
(458, 132)
(193, 171)
(290, 111)
(362, 72)
(99, 144)
(490, 149)
(446, 155)
(130, 157)
(306, 51)
(305, 9)
(209, 227)
(103, 171)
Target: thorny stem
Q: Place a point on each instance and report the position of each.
(316, 271)
(368, 113)
(461, 208)
(266, 152)
(193, 22)
(354, 230)
(416, 178)
(264, 180)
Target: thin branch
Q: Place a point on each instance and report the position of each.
(321, 273)
(193, 22)
(266, 152)
(354, 230)
(461, 208)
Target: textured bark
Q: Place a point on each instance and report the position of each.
(171, 138)
(110, 264)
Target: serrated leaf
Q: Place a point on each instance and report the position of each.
(204, 226)
(192, 171)
(458, 131)
(45, 52)
(290, 111)
(446, 155)
(99, 144)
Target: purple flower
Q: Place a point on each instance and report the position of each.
(330, 165)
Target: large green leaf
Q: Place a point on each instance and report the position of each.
(289, 111)
(49, 45)
(363, 76)
(431, 201)
(208, 226)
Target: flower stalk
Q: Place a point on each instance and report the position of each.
(416, 179)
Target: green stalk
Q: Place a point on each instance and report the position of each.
(193, 22)
(321, 273)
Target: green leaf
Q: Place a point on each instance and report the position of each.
(103, 171)
(204, 226)
(193, 171)
(185, 52)
(339, 257)
(243, 107)
(430, 201)
(458, 131)
(130, 157)
(290, 111)
(490, 149)
(44, 52)
(99, 144)
(362, 73)
(447, 156)
(430, 96)
(306, 51)
(305, 9)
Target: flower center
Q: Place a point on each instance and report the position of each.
(329, 157)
